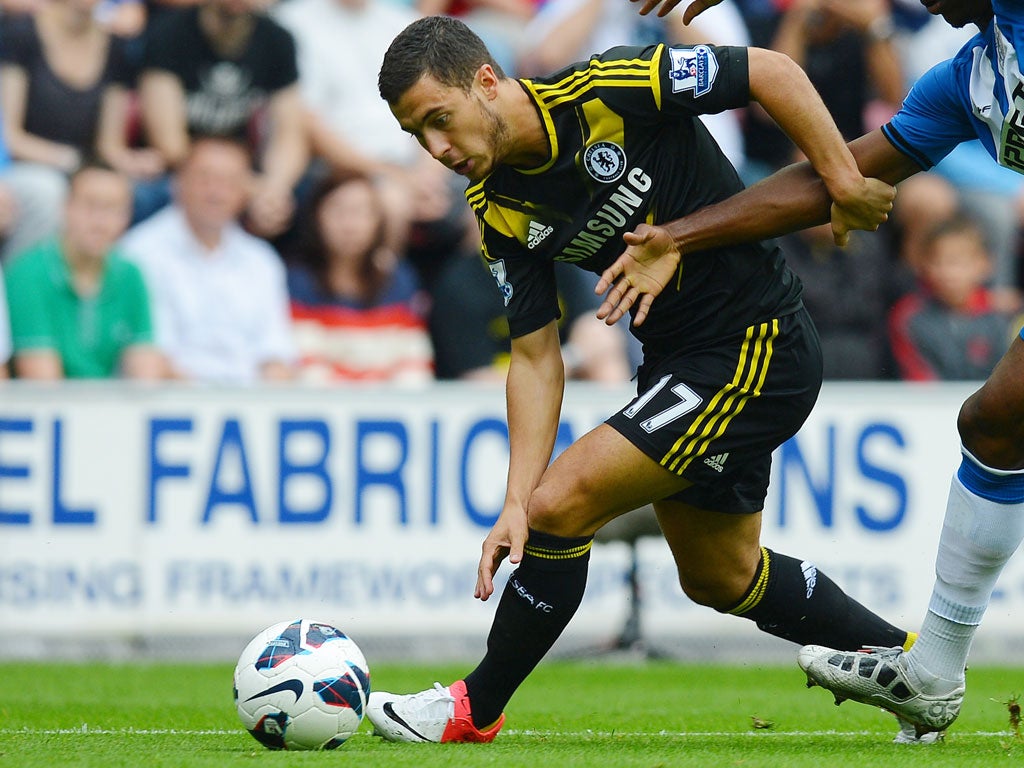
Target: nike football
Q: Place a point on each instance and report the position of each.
(301, 684)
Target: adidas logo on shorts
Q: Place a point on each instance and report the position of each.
(717, 462)
(537, 234)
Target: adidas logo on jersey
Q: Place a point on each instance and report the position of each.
(717, 462)
(537, 234)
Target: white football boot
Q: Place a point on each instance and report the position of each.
(438, 715)
(907, 734)
(878, 677)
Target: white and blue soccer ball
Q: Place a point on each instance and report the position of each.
(301, 684)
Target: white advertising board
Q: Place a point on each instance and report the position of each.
(177, 510)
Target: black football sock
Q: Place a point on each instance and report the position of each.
(541, 596)
(795, 601)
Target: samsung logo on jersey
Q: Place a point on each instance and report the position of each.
(611, 218)
(693, 69)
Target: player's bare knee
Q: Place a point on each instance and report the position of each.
(992, 438)
(555, 511)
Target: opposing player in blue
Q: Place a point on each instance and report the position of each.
(977, 94)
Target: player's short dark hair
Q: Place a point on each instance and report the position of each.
(439, 46)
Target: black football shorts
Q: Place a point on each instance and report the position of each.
(714, 416)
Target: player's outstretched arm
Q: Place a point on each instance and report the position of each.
(790, 199)
(694, 9)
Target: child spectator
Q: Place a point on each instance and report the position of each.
(950, 327)
(923, 201)
(358, 311)
(77, 309)
(220, 304)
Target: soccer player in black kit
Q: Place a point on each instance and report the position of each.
(561, 168)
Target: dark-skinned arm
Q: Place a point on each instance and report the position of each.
(789, 200)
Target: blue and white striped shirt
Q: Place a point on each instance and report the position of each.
(979, 93)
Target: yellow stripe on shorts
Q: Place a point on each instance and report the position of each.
(751, 370)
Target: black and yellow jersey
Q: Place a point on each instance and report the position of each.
(626, 147)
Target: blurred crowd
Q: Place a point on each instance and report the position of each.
(212, 190)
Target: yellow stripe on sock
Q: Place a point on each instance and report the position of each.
(751, 369)
(558, 554)
(758, 589)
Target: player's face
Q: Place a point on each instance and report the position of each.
(959, 13)
(460, 130)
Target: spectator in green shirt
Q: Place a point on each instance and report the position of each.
(77, 308)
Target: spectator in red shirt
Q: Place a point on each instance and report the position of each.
(951, 327)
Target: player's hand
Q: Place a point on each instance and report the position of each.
(694, 9)
(506, 539)
(642, 271)
(865, 209)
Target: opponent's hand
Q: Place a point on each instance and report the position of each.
(506, 539)
(694, 9)
(864, 209)
(642, 271)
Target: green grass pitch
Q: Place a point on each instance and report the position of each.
(585, 714)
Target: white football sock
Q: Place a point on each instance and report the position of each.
(983, 527)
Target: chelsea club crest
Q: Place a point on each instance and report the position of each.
(605, 161)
